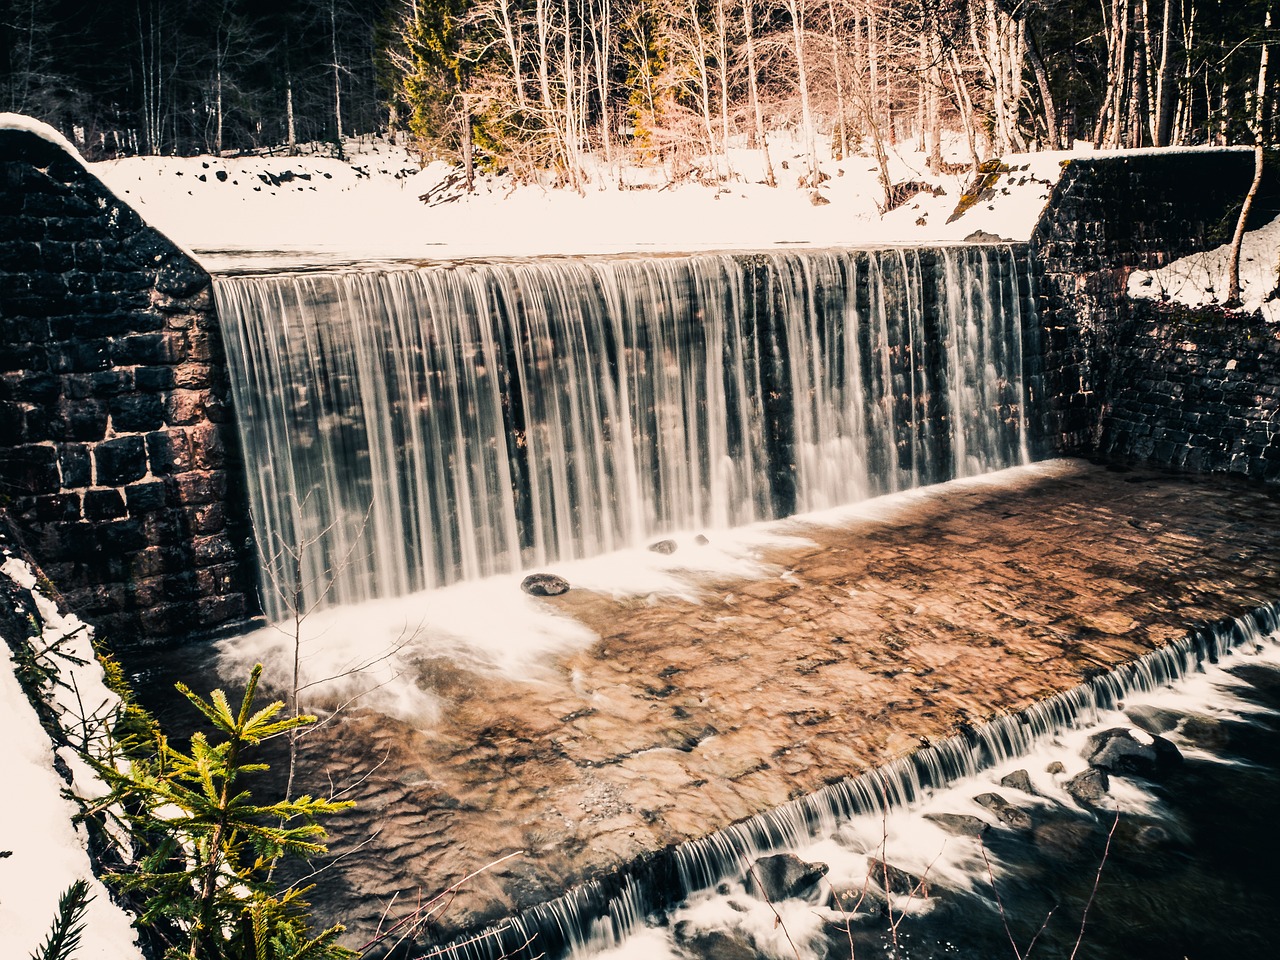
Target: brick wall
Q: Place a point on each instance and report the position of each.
(118, 458)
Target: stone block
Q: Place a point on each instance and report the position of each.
(210, 550)
(146, 348)
(169, 452)
(137, 412)
(197, 488)
(208, 450)
(103, 505)
(122, 537)
(154, 379)
(58, 507)
(181, 277)
(182, 586)
(145, 496)
(76, 465)
(155, 561)
(29, 469)
(165, 527)
(185, 407)
(88, 255)
(145, 593)
(206, 518)
(192, 375)
(120, 461)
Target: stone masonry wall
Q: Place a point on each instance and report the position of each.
(1106, 217)
(1196, 390)
(118, 458)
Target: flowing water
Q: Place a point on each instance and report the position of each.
(1170, 867)
(411, 428)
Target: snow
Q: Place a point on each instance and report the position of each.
(1201, 279)
(242, 213)
(17, 121)
(48, 853)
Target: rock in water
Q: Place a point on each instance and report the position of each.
(663, 546)
(544, 585)
(1005, 811)
(1121, 750)
(1018, 780)
(784, 876)
(959, 824)
(713, 944)
(1088, 788)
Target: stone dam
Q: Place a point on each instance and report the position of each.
(1076, 482)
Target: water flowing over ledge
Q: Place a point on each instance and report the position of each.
(600, 914)
(406, 429)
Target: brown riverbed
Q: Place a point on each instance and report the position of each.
(872, 637)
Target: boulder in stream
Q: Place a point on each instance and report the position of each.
(544, 585)
(1005, 811)
(784, 876)
(1088, 788)
(1122, 750)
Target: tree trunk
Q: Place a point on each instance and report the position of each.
(1052, 140)
(513, 50)
(842, 138)
(1259, 133)
(796, 9)
(754, 92)
(292, 131)
(1166, 90)
(337, 75)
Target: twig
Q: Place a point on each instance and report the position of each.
(777, 917)
(1097, 881)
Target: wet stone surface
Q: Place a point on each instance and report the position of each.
(685, 717)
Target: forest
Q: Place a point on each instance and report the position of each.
(537, 86)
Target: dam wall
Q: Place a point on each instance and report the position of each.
(118, 452)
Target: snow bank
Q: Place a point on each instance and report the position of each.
(1201, 279)
(238, 213)
(46, 852)
(16, 121)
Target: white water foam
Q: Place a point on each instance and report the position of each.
(372, 650)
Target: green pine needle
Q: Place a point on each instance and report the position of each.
(64, 936)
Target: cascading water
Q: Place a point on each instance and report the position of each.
(405, 429)
(599, 915)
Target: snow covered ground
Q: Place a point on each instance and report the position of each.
(237, 212)
(1201, 279)
(43, 852)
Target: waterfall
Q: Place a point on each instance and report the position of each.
(407, 428)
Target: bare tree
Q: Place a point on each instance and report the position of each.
(1259, 157)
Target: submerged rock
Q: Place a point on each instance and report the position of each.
(897, 881)
(1121, 750)
(544, 585)
(1088, 788)
(1066, 838)
(713, 944)
(1005, 811)
(663, 546)
(701, 540)
(784, 876)
(959, 824)
(1154, 720)
(1018, 780)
